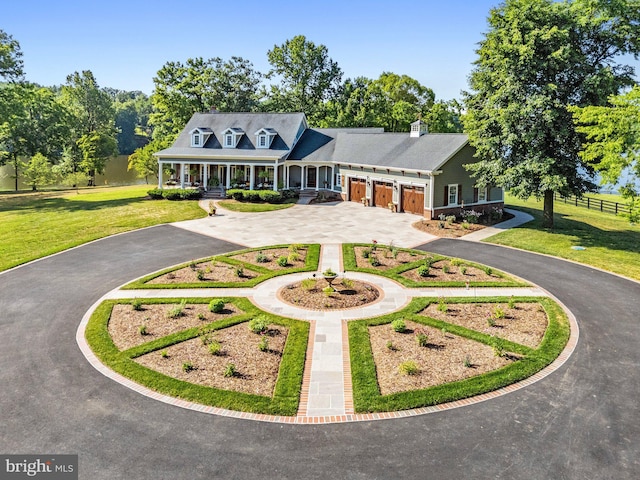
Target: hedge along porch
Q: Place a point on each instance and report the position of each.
(418, 173)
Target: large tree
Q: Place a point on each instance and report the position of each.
(307, 76)
(182, 89)
(93, 127)
(538, 58)
(10, 58)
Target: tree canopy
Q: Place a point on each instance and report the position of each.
(538, 58)
(10, 58)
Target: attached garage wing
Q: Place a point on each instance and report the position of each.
(413, 199)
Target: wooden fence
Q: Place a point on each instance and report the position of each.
(605, 206)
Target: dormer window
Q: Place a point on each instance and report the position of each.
(231, 137)
(199, 136)
(264, 137)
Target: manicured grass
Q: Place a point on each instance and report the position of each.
(35, 225)
(311, 264)
(236, 206)
(611, 242)
(366, 393)
(287, 390)
(350, 263)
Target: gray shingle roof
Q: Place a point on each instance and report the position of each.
(287, 126)
(317, 144)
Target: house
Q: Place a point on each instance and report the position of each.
(415, 172)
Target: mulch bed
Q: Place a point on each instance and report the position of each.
(441, 361)
(455, 229)
(212, 271)
(125, 322)
(354, 294)
(384, 255)
(525, 324)
(257, 371)
(272, 255)
(454, 274)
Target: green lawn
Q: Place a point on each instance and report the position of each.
(38, 224)
(237, 206)
(611, 242)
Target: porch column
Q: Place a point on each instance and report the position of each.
(286, 174)
(333, 174)
(317, 178)
(252, 176)
(228, 176)
(182, 171)
(303, 177)
(275, 177)
(160, 164)
(205, 180)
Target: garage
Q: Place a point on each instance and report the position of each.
(382, 194)
(357, 189)
(413, 199)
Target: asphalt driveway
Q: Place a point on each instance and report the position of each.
(580, 422)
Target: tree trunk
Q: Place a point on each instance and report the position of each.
(16, 169)
(547, 215)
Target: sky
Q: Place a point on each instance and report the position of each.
(124, 43)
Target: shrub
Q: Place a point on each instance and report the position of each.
(422, 338)
(190, 194)
(373, 260)
(488, 271)
(270, 196)
(465, 225)
(442, 306)
(177, 310)
(498, 312)
(188, 366)
(308, 284)
(263, 346)
(498, 347)
(142, 330)
(283, 261)
(258, 325)
(201, 316)
(423, 270)
(445, 269)
(172, 194)
(239, 272)
(136, 304)
(399, 325)
(512, 303)
(261, 258)
(491, 322)
(456, 262)
(450, 219)
(328, 290)
(200, 275)
(365, 253)
(409, 368)
(230, 370)
(391, 346)
(164, 354)
(294, 247)
(215, 348)
(329, 273)
(251, 196)
(216, 305)
(394, 253)
(471, 216)
(467, 362)
(463, 270)
(347, 283)
(155, 193)
(293, 257)
(236, 194)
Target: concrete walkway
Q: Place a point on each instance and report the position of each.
(326, 391)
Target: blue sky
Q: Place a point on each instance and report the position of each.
(124, 43)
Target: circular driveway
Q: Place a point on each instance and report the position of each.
(580, 422)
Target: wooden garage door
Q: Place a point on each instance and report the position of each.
(357, 189)
(382, 194)
(413, 200)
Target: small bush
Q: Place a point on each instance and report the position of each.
(188, 367)
(142, 330)
(347, 283)
(465, 225)
(422, 338)
(216, 305)
(467, 362)
(136, 304)
(409, 368)
(512, 303)
(308, 284)
(373, 260)
(200, 275)
(391, 346)
(498, 313)
(239, 272)
(463, 270)
(164, 354)
(445, 269)
(270, 196)
(488, 271)
(491, 322)
(293, 257)
(294, 247)
(215, 348)
(450, 219)
(201, 317)
(399, 325)
(177, 311)
(498, 348)
(263, 346)
(283, 261)
(155, 193)
(328, 290)
(366, 253)
(258, 325)
(394, 253)
(442, 306)
(190, 194)
(456, 262)
(261, 258)
(423, 270)
(172, 194)
(230, 370)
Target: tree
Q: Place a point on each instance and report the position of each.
(199, 85)
(445, 117)
(38, 172)
(308, 77)
(612, 135)
(10, 58)
(93, 128)
(143, 161)
(538, 58)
